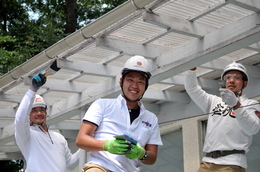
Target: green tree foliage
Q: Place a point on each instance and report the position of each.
(23, 35)
(90, 10)
(13, 18)
(11, 166)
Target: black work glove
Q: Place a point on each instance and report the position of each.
(38, 81)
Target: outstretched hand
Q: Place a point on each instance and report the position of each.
(228, 97)
(38, 81)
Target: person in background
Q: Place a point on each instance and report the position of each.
(107, 118)
(44, 150)
(232, 120)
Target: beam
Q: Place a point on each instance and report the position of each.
(252, 5)
(228, 39)
(177, 25)
(11, 156)
(130, 47)
(90, 68)
(167, 96)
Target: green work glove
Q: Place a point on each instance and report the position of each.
(117, 146)
(137, 152)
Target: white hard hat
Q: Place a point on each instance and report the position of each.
(139, 64)
(39, 102)
(237, 67)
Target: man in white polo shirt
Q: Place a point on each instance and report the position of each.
(125, 115)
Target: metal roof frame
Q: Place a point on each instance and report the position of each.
(175, 35)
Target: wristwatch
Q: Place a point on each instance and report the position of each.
(145, 157)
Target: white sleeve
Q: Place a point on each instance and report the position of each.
(247, 117)
(22, 118)
(94, 113)
(199, 96)
(72, 159)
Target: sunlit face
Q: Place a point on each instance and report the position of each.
(38, 115)
(133, 85)
(234, 81)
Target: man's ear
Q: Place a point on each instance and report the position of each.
(121, 81)
(245, 84)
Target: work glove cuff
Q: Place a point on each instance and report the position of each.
(143, 152)
(105, 146)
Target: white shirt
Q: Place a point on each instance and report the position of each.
(226, 129)
(42, 151)
(112, 118)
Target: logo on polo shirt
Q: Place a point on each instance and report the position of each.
(147, 124)
(233, 114)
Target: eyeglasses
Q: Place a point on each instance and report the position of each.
(234, 76)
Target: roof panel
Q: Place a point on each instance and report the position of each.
(172, 40)
(137, 30)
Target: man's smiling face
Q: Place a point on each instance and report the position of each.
(234, 81)
(134, 85)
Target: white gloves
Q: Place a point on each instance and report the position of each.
(228, 97)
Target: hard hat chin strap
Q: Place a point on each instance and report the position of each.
(238, 94)
(241, 91)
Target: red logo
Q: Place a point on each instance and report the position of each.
(147, 124)
(139, 63)
(38, 99)
(257, 113)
